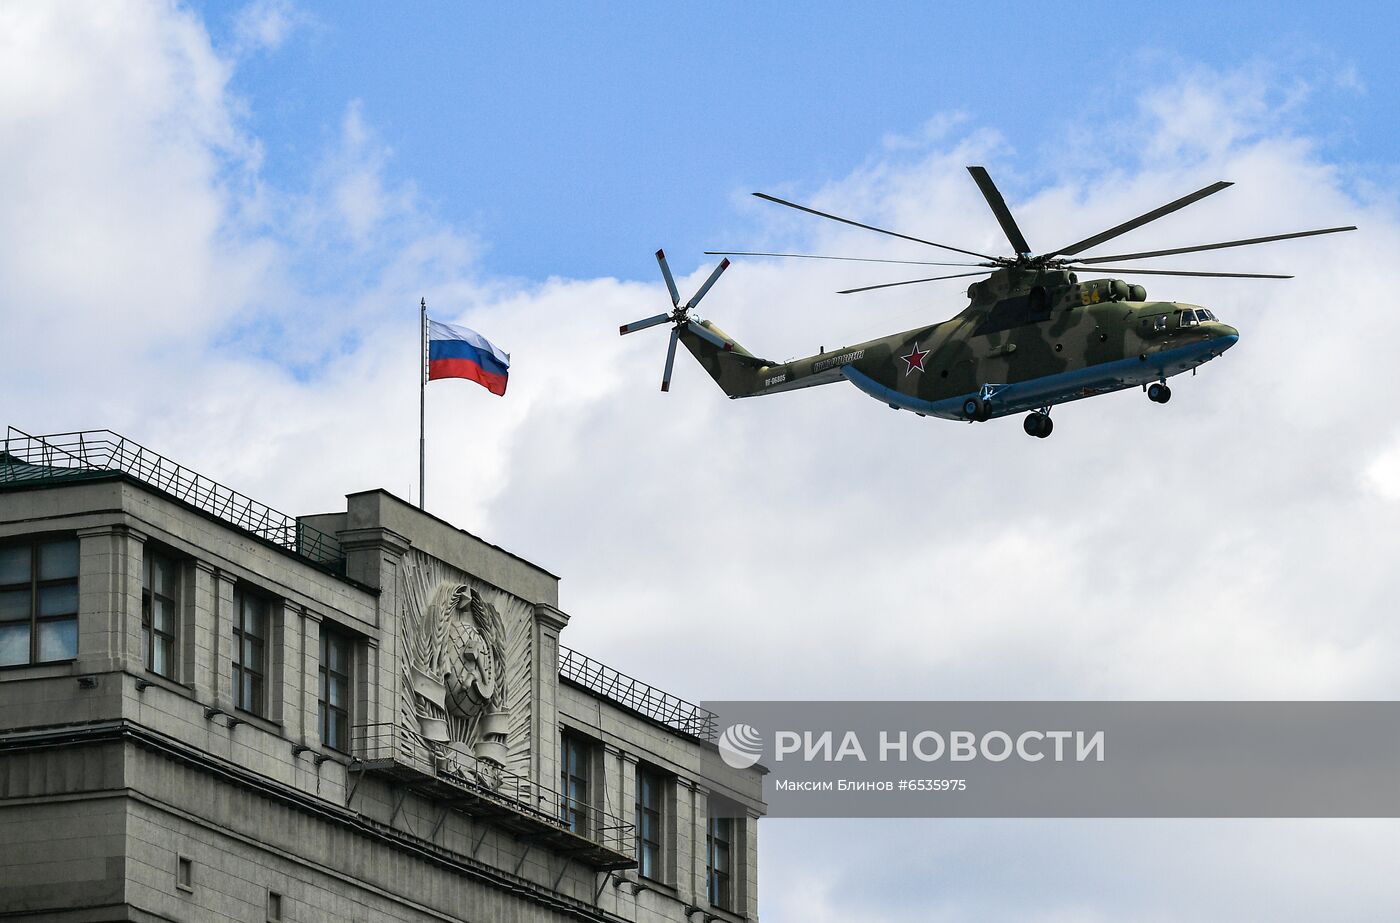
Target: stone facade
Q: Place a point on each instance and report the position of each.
(130, 795)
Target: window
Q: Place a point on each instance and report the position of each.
(250, 630)
(650, 789)
(274, 906)
(38, 602)
(160, 592)
(1188, 318)
(574, 755)
(335, 689)
(184, 874)
(718, 862)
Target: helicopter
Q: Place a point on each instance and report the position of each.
(1033, 335)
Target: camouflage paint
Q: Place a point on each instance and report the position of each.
(1021, 326)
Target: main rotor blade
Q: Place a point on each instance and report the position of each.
(714, 276)
(643, 324)
(704, 333)
(670, 359)
(850, 259)
(1182, 272)
(670, 282)
(1140, 220)
(1229, 243)
(998, 204)
(866, 288)
(869, 227)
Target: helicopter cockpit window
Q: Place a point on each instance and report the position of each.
(1188, 318)
(1203, 314)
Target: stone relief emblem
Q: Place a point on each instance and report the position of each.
(465, 673)
(458, 676)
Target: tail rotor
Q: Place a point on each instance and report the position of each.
(679, 316)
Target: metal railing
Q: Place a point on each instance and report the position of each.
(388, 748)
(66, 455)
(648, 701)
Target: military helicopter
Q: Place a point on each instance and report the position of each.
(1032, 336)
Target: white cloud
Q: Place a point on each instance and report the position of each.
(354, 181)
(1382, 475)
(264, 25)
(812, 544)
(934, 130)
(117, 151)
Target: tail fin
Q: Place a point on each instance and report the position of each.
(737, 371)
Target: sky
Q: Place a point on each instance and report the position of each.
(218, 222)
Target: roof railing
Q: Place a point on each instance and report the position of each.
(648, 701)
(90, 452)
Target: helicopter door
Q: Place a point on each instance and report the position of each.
(1039, 304)
(962, 376)
(1016, 311)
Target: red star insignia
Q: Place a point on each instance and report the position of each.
(915, 360)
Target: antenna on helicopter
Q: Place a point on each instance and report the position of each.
(680, 316)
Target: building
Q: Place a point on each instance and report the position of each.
(213, 711)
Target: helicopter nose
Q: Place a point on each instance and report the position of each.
(1227, 336)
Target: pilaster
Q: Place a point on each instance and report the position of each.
(605, 788)
(375, 557)
(626, 805)
(286, 655)
(544, 677)
(694, 865)
(308, 689)
(200, 643)
(372, 556)
(373, 697)
(749, 895)
(221, 674)
(110, 561)
(672, 830)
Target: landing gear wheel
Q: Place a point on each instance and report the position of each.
(974, 408)
(1159, 393)
(1038, 425)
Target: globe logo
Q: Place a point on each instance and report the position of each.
(740, 745)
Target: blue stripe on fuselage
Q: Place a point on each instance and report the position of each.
(1060, 388)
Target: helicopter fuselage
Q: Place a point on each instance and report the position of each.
(1023, 343)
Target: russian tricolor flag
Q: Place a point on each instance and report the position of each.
(456, 352)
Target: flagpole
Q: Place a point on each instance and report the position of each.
(422, 396)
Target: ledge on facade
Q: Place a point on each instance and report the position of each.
(531, 812)
(99, 732)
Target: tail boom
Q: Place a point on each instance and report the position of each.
(740, 373)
